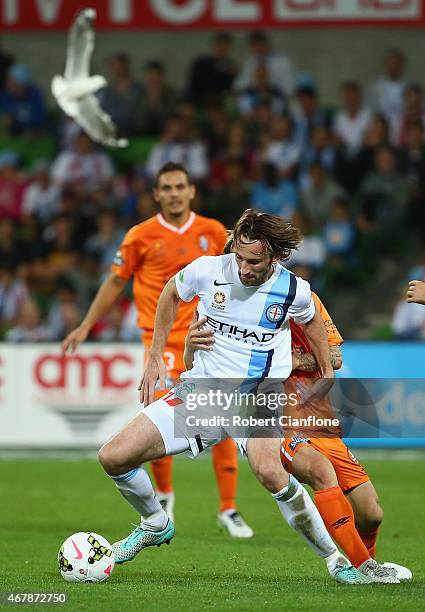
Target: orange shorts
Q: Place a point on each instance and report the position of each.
(349, 472)
(173, 355)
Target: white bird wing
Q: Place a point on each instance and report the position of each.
(80, 46)
(74, 92)
(98, 124)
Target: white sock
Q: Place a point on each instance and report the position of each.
(335, 560)
(137, 489)
(302, 515)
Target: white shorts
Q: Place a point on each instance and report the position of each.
(169, 415)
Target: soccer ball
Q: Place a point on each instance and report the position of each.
(86, 557)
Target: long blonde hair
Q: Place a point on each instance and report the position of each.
(278, 237)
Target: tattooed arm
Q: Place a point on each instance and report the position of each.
(306, 362)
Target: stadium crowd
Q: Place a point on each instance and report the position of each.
(251, 135)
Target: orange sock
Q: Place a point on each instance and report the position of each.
(369, 540)
(162, 470)
(225, 461)
(338, 517)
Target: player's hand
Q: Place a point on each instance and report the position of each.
(416, 292)
(309, 394)
(198, 338)
(74, 338)
(155, 369)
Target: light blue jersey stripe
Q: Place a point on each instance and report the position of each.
(277, 295)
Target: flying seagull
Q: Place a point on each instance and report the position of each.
(75, 91)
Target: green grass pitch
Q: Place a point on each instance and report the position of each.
(44, 501)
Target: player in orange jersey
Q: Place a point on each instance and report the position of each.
(151, 253)
(344, 495)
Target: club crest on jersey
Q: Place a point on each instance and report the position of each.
(274, 313)
(203, 243)
(118, 259)
(219, 301)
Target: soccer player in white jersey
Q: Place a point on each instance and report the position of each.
(248, 297)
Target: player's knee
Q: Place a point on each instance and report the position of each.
(111, 461)
(270, 475)
(371, 517)
(322, 475)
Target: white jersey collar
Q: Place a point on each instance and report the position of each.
(173, 228)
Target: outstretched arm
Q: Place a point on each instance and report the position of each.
(108, 293)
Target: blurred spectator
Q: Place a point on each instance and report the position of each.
(320, 149)
(211, 76)
(307, 112)
(235, 148)
(83, 168)
(383, 206)
(65, 297)
(352, 121)
(176, 147)
(311, 252)
(112, 324)
(408, 322)
(339, 232)
(215, 126)
(60, 251)
(6, 60)
(278, 65)
(232, 198)
(28, 326)
(412, 166)
(413, 110)
(258, 126)
(105, 242)
(121, 97)
(281, 148)
(70, 318)
(22, 110)
(14, 250)
(157, 100)
(319, 194)
(13, 293)
(136, 189)
(41, 197)
(385, 186)
(259, 92)
(386, 95)
(273, 194)
(350, 172)
(12, 186)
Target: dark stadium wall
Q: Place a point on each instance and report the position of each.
(331, 55)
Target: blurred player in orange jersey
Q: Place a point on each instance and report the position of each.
(151, 253)
(344, 495)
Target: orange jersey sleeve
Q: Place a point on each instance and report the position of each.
(334, 337)
(129, 257)
(154, 251)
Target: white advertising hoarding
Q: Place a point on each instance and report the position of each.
(78, 401)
